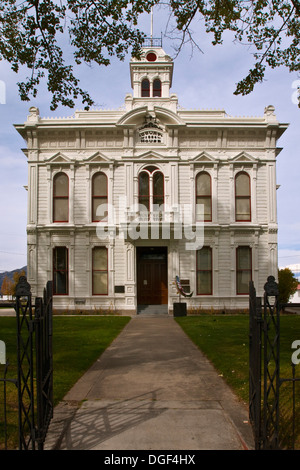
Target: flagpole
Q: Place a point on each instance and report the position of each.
(151, 33)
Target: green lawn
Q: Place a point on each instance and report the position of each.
(224, 339)
(77, 343)
(225, 342)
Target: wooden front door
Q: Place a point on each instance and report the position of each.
(152, 276)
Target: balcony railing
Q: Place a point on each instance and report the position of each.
(152, 42)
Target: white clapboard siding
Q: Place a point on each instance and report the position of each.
(261, 195)
(224, 201)
(81, 263)
(224, 264)
(264, 262)
(119, 191)
(80, 196)
(184, 189)
(43, 264)
(43, 196)
(186, 264)
(119, 262)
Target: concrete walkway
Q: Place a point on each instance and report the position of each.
(152, 389)
(7, 312)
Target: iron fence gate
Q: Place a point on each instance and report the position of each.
(264, 369)
(35, 365)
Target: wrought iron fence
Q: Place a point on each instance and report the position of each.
(255, 334)
(271, 429)
(5, 380)
(35, 366)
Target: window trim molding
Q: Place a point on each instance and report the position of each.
(145, 79)
(205, 270)
(156, 79)
(151, 195)
(54, 198)
(55, 270)
(242, 172)
(98, 197)
(201, 172)
(149, 190)
(240, 270)
(98, 270)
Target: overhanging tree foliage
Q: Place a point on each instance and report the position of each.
(287, 284)
(33, 33)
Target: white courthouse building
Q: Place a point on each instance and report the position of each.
(120, 202)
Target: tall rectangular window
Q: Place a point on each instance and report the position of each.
(100, 271)
(243, 269)
(61, 198)
(203, 197)
(99, 197)
(144, 194)
(242, 198)
(204, 271)
(60, 270)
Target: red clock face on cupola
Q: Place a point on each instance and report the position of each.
(151, 57)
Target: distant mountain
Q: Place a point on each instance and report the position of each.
(10, 274)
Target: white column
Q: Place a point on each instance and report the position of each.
(72, 194)
(254, 194)
(214, 194)
(72, 264)
(88, 217)
(232, 195)
(32, 195)
(272, 210)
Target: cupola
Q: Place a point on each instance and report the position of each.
(151, 75)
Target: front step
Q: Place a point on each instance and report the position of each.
(152, 310)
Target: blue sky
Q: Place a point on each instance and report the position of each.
(201, 81)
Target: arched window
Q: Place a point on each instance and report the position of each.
(145, 88)
(242, 198)
(61, 198)
(203, 197)
(158, 189)
(157, 87)
(151, 191)
(144, 192)
(99, 197)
